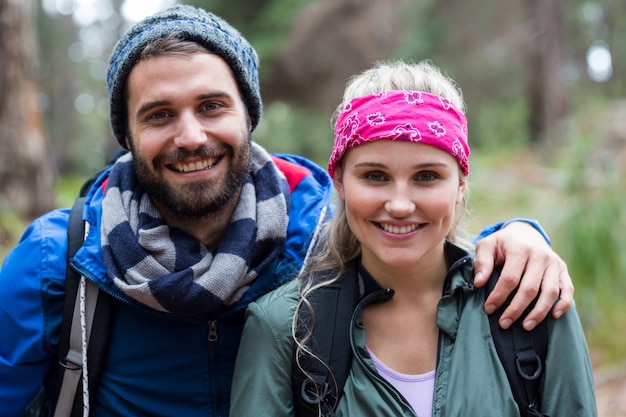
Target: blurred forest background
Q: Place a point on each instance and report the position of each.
(544, 80)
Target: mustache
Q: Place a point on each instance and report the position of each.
(204, 151)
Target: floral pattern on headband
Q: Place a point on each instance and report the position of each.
(414, 116)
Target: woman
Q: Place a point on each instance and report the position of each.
(420, 339)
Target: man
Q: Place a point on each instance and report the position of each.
(188, 228)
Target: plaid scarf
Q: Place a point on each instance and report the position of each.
(167, 269)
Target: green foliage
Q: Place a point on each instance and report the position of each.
(12, 225)
(578, 196)
(266, 23)
(498, 124)
(424, 31)
(11, 228)
(67, 187)
(591, 239)
(288, 128)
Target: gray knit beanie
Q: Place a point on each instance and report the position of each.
(192, 24)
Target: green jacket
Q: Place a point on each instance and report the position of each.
(470, 379)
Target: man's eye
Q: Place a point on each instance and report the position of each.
(211, 106)
(158, 115)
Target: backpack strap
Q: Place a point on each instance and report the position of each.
(96, 311)
(70, 352)
(522, 353)
(63, 381)
(330, 319)
(64, 378)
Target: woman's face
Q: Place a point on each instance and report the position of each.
(400, 200)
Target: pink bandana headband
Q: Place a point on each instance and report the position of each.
(413, 116)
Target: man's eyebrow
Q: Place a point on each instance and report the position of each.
(221, 95)
(153, 104)
(216, 94)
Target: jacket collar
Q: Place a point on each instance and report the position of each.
(460, 274)
(459, 281)
(460, 271)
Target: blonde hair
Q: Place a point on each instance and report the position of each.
(399, 75)
(340, 246)
(391, 75)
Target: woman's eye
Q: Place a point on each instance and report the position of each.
(427, 176)
(374, 176)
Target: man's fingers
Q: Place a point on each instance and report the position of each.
(527, 278)
(526, 293)
(557, 292)
(548, 296)
(566, 294)
(554, 278)
(529, 265)
(512, 270)
(486, 256)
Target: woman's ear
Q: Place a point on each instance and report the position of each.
(338, 183)
(460, 195)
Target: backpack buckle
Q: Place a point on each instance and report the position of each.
(313, 392)
(73, 361)
(529, 364)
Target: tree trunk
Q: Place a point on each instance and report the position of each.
(25, 169)
(546, 91)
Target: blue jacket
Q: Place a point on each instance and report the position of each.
(157, 364)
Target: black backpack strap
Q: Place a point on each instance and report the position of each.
(332, 307)
(99, 316)
(75, 239)
(98, 308)
(522, 353)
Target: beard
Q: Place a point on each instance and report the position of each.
(198, 198)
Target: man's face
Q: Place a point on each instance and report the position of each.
(188, 131)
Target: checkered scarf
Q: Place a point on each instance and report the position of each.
(167, 269)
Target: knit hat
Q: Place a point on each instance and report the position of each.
(192, 24)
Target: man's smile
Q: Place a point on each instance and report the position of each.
(195, 166)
